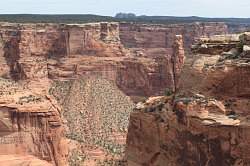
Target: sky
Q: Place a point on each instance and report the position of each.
(203, 8)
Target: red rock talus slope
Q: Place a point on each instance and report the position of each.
(189, 128)
(97, 118)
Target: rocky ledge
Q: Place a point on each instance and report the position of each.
(30, 125)
(206, 120)
(187, 131)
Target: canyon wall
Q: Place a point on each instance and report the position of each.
(191, 127)
(41, 51)
(141, 60)
(110, 50)
(155, 40)
(32, 56)
(30, 125)
(186, 131)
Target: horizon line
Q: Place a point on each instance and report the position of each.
(51, 14)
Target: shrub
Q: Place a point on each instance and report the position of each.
(168, 92)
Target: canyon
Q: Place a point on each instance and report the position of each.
(67, 91)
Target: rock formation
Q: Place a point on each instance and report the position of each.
(69, 51)
(191, 127)
(141, 60)
(154, 40)
(41, 51)
(30, 124)
(186, 131)
(178, 59)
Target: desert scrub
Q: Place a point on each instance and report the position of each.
(95, 110)
(111, 162)
(29, 99)
(60, 90)
(76, 158)
(168, 92)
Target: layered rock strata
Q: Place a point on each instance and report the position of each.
(190, 127)
(141, 60)
(186, 131)
(62, 51)
(154, 40)
(36, 51)
(224, 74)
(30, 124)
(41, 51)
(34, 55)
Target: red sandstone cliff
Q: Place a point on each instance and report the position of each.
(41, 51)
(111, 50)
(153, 40)
(34, 55)
(141, 60)
(189, 131)
(30, 125)
(191, 127)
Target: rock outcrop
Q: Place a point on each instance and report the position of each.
(215, 45)
(224, 74)
(154, 40)
(24, 45)
(30, 124)
(35, 55)
(186, 131)
(190, 127)
(68, 51)
(178, 60)
(141, 60)
(41, 51)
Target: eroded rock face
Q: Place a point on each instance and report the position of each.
(186, 131)
(153, 40)
(30, 124)
(68, 51)
(23, 47)
(224, 74)
(178, 59)
(215, 45)
(191, 127)
(141, 60)
(41, 51)
(34, 55)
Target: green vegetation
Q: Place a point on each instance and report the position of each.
(35, 18)
(28, 99)
(112, 162)
(97, 114)
(76, 158)
(120, 17)
(168, 92)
